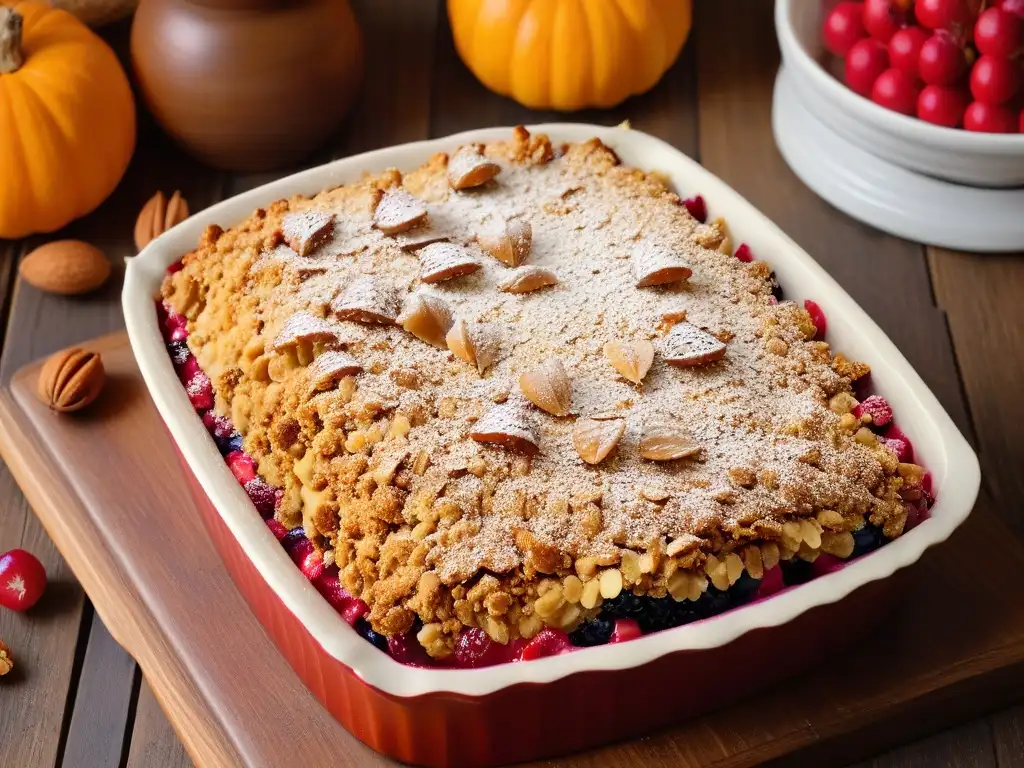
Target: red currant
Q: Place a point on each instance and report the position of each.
(905, 49)
(882, 18)
(22, 580)
(941, 61)
(989, 118)
(865, 62)
(895, 90)
(942, 105)
(951, 15)
(1016, 7)
(843, 27)
(998, 33)
(994, 80)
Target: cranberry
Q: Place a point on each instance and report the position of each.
(952, 15)
(179, 334)
(865, 62)
(994, 80)
(22, 580)
(877, 407)
(817, 317)
(474, 649)
(200, 391)
(354, 610)
(942, 61)
(1016, 7)
(1020, 127)
(263, 496)
(895, 90)
(744, 254)
(241, 466)
(882, 18)
(406, 649)
(771, 583)
(697, 208)
(548, 642)
(998, 33)
(277, 529)
(175, 267)
(905, 49)
(942, 105)
(312, 565)
(843, 27)
(899, 444)
(625, 629)
(989, 118)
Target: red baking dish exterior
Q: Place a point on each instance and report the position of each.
(530, 710)
(445, 729)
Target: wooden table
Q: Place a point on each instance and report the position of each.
(81, 700)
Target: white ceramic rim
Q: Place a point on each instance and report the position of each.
(949, 457)
(908, 128)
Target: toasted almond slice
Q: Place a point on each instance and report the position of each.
(398, 211)
(510, 243)
(469, 168)
(632, 359)
(594, 439)
(426, 317)
(664, 440)
(548, 387)
(306, 231)
(655, 265)
(688, 345)
(367, 299)
(526, 279)
(331, 367)
(478, 344)
(507, 426)
(303, 326)
(445, 261)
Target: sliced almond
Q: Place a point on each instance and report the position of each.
(478, 344)
(510, 243)
(398, 211)
(418, 238)
(331, 367)
(548, 387)
(688, 345)
(632, 359)
(426, 317)
(306, 231)
(368, 300)
(507, 426)
(656, 265)
(469, 168)
(303, 326)
(526, 279)
(664, 440)
(594, 439)
(445, 261)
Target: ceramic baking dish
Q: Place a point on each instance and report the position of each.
(528, 710)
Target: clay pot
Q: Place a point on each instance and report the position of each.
(247, 85)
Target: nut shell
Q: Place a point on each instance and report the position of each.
(71, 379)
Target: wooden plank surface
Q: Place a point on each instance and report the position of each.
(714, 104)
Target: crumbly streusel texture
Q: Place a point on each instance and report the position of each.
(367, 427)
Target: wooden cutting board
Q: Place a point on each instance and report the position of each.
(108, 489)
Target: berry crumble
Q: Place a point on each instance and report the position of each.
(526, 399)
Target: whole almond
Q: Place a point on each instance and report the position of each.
(66, 267)
(594, 439)
(665, 440)
(632, 359)
(71, 379)
(157, 216)
(509, 243)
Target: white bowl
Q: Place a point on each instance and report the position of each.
(937, 441)
(981, 159)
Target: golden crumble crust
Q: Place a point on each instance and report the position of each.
(385, 467)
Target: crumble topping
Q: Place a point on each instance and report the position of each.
(473, 452)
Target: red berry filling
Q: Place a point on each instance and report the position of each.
(877, 408)
(744, 254)
(697, 208)
(817, 317)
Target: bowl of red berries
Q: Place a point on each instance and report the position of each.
(933, 86)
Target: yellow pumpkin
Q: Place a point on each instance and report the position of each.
(67, 119)
(569, 54)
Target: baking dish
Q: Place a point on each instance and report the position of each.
(519, 711)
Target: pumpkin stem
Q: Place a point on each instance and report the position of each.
(11, 57)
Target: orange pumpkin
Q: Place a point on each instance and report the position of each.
(67, 119)
(569, 54)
